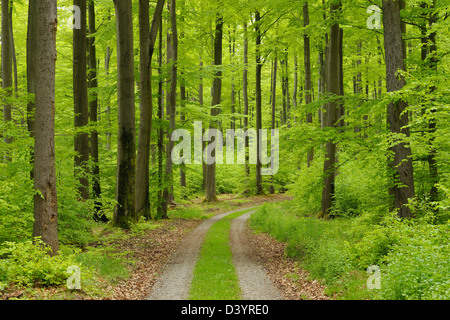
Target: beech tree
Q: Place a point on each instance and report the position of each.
(81, 106)
(45, 198)
(402, 185)
(147, 41)
(333, 77)
(7, 66)
(125, 210)
(172, 60)
(215, 110)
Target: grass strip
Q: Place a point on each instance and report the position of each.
(215, 277)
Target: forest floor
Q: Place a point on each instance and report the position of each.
(166, 257)
(263, 269)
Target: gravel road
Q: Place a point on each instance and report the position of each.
(174, 282)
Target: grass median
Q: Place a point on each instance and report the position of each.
(215, 277)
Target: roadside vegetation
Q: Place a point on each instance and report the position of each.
(412, 255)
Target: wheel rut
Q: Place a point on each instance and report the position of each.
(175, 280)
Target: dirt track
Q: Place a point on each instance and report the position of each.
(174, 282)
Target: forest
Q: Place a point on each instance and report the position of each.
(127, 124)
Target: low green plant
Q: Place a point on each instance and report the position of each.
(27, 263)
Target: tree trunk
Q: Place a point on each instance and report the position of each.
(108, 100)
(160, 209)
(331, 116)
(274, 106)
(81, 109)
(31, 74)
(258, 98)
(245, 97)
(7, 69)
(183, 98)
(200, 102)
(126, 148)
(233, 90)
(308, 80)
(429, 56)
(215, 110)
(400, 163)
(147, 39)
(172, 58)
(93, 106)
(45, 197)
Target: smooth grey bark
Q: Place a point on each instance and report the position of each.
(45, 197)
(400, 161)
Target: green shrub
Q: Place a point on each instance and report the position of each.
(376, 244)
(25, 263)
(416, 273)
(418, 267)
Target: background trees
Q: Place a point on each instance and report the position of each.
(288, 65)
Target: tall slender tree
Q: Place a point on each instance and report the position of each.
(81, 106)
(45, 197)
(245, 94)
(125, 210)
(215, 110)
(7, 68)
(430, 58)
(258, 98)
(274, 105)
(31, 74)
(160, 202)
(172, 59)
(93, 114)
(400, 161)
(333, 76)
(147, 39)
(308, 80)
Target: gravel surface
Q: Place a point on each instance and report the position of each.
(254, 282)
(174, 283)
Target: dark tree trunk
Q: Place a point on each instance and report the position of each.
(245, 96)
(258, 98)
(308, 80)
(332, 113)
(200, 102)
(81, 108)
(147, 39)
(429, 56)
(45, 197)
(160, 209)
(172, 58)
(7, 68)
(126, 148)
(108, 100)
(93, 106)
(400, 162)
(215, 110)
(274, 105)
(31, 74)
(183, 98)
